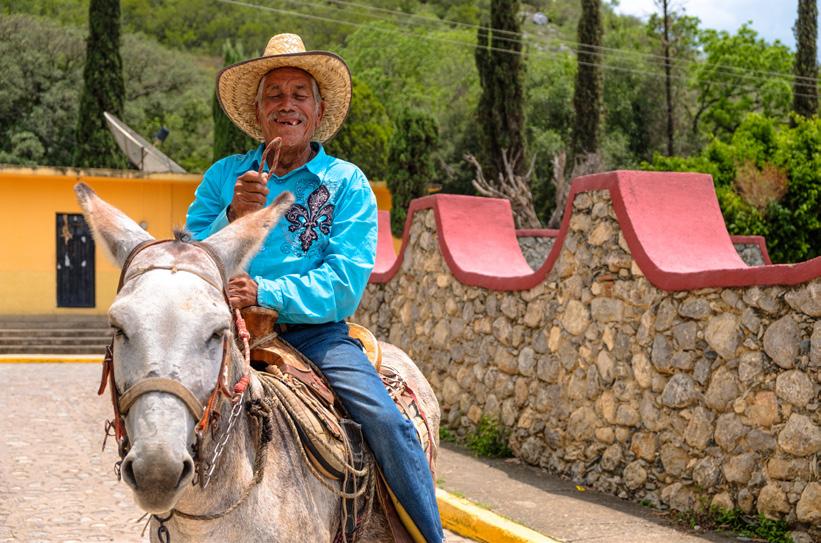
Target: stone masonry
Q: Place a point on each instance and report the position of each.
(676, 398)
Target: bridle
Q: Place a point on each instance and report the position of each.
(202, 413)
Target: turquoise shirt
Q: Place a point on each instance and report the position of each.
(315, 262)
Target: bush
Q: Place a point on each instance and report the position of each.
(768, 183)
(488, 439)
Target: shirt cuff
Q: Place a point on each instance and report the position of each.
(268, 295)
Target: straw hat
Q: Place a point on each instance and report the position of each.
(237, 84)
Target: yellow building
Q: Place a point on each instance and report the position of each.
(48, 262)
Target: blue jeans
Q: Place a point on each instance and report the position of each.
(391, 436)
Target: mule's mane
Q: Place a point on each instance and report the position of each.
(183, 235)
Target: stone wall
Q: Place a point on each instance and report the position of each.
(536, 248)
(750, 253)
(675, 398)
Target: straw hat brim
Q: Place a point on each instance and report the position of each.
(237, 89)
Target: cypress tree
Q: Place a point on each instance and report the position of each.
(587, 96)
(228, 139)
(411, 158)
(501, 73)
(103, 89)
(805, 85)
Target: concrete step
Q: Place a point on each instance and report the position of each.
(54, 332)
(53, 321)
(46, 341)
(52, 349)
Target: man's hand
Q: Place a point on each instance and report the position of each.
(242, 291)
(250, 193)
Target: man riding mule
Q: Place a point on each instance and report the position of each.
(313, 267)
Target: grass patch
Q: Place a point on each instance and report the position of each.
(445, 434)
(759, 528)
(488, 439)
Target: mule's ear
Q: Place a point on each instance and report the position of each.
(112, 229)
(238, 242)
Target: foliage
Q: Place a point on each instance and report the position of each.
(500, 112)
(172, 89)
(791, 219)
(413, 58)
(587, 96)
(39, 95)
(365, 136)
(228, 139)
(411, 159)
(411, 69)
(805, 86)
(103, 88)
(488, 439)
(736, 521)
(41, 65)
(731, 82)
(446, 435)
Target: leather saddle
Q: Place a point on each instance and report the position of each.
(317, 414)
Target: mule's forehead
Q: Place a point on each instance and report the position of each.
(183, 255)
(190, 291)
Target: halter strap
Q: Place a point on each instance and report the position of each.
(161, 384)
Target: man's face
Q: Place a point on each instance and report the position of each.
(288, 108)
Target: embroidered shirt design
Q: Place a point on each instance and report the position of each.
(319, 215)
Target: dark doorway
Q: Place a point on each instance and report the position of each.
(75, 262)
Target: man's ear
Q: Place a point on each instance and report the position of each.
(112, 229)
(238, 242)
(321, 112)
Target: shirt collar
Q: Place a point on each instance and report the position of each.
(316, 165)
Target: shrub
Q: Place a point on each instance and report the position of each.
(488, 439)
(768, 182)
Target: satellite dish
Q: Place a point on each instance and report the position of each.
(142, 154)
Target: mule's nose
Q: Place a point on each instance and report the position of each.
(156, 469)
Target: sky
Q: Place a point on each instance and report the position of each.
(772, 19)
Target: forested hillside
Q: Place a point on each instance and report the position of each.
(408, 55)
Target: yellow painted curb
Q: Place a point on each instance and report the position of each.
(469, 520)
(49, 358)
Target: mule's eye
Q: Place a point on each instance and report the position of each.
(217, 336)
(118, 332)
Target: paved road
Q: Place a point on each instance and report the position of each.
(55, 483)
(554, 506)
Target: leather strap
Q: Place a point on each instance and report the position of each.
(160, 384)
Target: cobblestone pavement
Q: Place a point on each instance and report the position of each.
(55, 483)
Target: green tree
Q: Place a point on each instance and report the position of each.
(103, 88)
(40, 93)
(500, 113)
(228, 139)
(365, 136)
(587, 97)
(411, 162)
(805, 86)
(41, 66)
(729, 83)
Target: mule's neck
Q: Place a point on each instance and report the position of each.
(288, 505)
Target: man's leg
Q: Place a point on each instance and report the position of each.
(391, 437)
